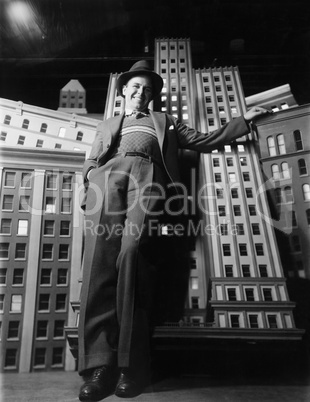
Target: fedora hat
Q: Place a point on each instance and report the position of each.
(141, 67)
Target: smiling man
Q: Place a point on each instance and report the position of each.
(133, 160)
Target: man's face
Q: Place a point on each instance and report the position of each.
(138, 93)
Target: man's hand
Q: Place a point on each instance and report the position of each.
(255, 112)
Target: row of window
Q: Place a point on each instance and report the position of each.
(254, 321)
(22, 227)
(26, 180)
(51, 204)
(248, 293)
(234, 192)
(243, 249)
(230, 271)
(43, 326)
(47, 251)
(11, 357)
(283, 172)
(236, 210)
(238, 229)
(45, 278)
(286, 195)
(276, 145)
(232, 176)
(44, 303)
(43, 129)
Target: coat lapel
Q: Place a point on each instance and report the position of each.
(160, 126)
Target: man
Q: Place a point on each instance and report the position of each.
(133, 160)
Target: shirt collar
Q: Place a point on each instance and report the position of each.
(129, 112)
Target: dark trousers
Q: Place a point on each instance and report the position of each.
(124, 201)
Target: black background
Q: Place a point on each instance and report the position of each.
(89, 39)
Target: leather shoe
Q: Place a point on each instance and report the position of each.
(99, 385)
(127, 386)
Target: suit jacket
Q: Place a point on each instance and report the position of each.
(172, 135)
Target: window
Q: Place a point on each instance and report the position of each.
(234, 193)
(25, 124)
(218, 177)
(232, 177)
(66, 205)
(57, 146)
(10, 358)
(226, 250)
(246, 176)
(222, 210)
(252, 210)
(271, 146)
(24, 203)
(47, 253)
(64, 228)
(6, 225)
(62, 276)
(243, 161)
(46, 276)
(249, 294)
(293, 219)
(308, 216)
(79, 136)
(7, 119)
(253, 320)
(20, 251)
(43, 128)
(13, 330)
(219, 193)
(61, 302)
(3, 136)
(231, 294)
(50, 206)
(195, 302)
(275, 172)
(239, 229)
(272, 321)
(18, 276)
(289, 197)
(255, 229)
(259, 247)
(285, 171)
(298, 140)
(306, 192)
(39, 143)
(51, 181)
(63, 252)
(234, 321)
(229, 271)
(267, 294)
(249, 193)
(237, 210)
(26, 180)
(9, 180)
(49, 227)
(243, 249)
(4, 250)
(61, 132)
(224, 229)
(67, 183)
(7, 203)
(59, 329)
(21, 140)
(281, 144)
(44, 302)
(302, 166)
(16, 303)
(57, 358)
(39, 357)
(263, 271)
(246, 273)
(42, 326)
(3, 272)
(216, 162)
(194, 283)
(22, 229)
(1, 303)
(278, 195)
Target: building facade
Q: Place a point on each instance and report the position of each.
(284, 147)
(40, 255)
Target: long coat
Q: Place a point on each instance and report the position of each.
(172, 135)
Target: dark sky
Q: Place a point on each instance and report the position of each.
(45, 43)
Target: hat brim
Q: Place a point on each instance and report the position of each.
(157, 81)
